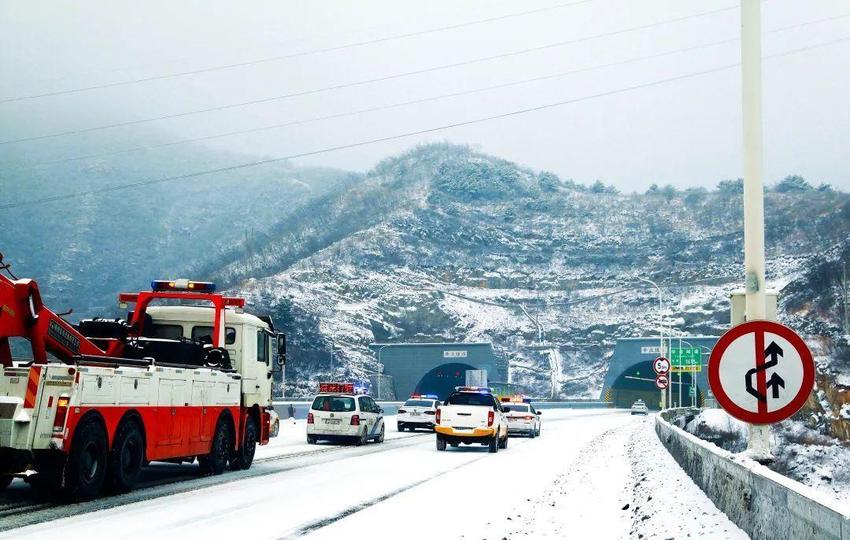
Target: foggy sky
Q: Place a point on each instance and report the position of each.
(687, 132)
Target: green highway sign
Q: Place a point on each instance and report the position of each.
(686, 359)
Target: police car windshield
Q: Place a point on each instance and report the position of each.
(333, 404)
(418, 403)
(469, 398)
(518, 407)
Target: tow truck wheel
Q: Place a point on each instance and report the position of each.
(244, 456)
(4, 482)
(494, 444)
(441, 444)
(85, 471)
(126, 457)
(216, 461)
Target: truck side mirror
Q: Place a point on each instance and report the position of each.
(281, 351)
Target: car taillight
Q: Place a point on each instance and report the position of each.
(310, 418)
(355, 420)
(430, 412)
(490, 417)
(61, 414)
(438, 416)
(402, 411)
(528, 417)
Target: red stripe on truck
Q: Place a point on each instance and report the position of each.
(32, 387)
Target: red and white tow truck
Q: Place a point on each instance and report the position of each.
(99, 399)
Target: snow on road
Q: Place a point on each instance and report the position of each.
(576, 478)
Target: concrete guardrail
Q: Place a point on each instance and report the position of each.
(763, 503)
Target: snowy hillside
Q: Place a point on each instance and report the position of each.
(444, 243)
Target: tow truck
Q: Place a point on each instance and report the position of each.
(98, 400)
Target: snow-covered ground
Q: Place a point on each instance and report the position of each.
(592, 472)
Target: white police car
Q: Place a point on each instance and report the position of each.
(418, 412)
(339, 414)
(639, 407)
(523, 418)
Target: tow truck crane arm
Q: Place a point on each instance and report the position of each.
(23, 314)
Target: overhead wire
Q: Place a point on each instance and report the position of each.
(424, 99)
(296, 54)
(369, 81)
(149, 182)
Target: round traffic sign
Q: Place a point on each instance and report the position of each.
(662, 381)
(761, 372)
(661, 365)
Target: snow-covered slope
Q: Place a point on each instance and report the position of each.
(444, 243)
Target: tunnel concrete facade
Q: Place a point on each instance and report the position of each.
(632, 362)
(409, 363)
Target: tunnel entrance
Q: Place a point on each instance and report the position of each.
(638, 382)
(442, 380)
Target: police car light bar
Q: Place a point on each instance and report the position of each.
(162, 285)
(336, 388)
(480, 389)
(424, 396)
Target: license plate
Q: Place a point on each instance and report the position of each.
(333, 421)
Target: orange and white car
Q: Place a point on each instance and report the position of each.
(472, 415)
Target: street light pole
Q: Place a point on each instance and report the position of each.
(758, 445)
(661, 339)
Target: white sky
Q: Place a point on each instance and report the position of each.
(685, 133)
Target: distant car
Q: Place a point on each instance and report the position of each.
(472, 415)
(418, 412)
(345, 417)
(523, 419)
(639, 407)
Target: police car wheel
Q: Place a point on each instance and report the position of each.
(532, 434)
(380, 437)
(363, 438)
(4, 482)
(311, 439)
(504, 442)
(441, 444)
(401, 427)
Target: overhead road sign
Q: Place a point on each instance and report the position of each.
(686, 359)
(761, 372)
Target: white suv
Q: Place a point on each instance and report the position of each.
(345, 417)
(471, 415)
(418, 412)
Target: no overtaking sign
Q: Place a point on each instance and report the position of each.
(761, 372)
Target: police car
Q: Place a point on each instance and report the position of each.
(418, 412)
(639, 407)
(523, 418)
(339, 413)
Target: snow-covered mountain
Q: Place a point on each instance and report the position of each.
(445, 243)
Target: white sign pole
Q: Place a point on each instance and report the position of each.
(758, 446)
